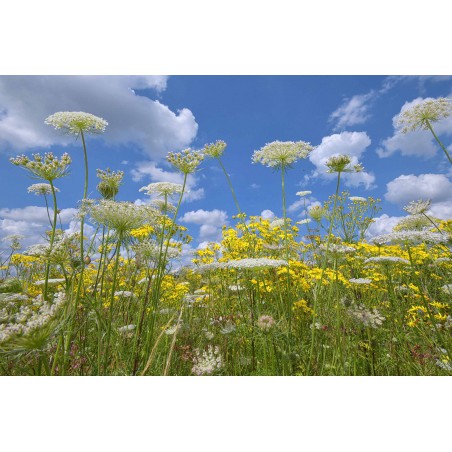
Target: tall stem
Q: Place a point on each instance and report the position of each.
(439, 142)
(52, 238)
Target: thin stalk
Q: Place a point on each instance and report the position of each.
(439, 142)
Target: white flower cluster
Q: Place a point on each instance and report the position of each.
(371, 318)
(124, 294)
(207, 362)
(417, 207)
(50, 282)
(162, 188)
(357, 199)
(73, 122)
(244, 264)
(303, 193)
(41, 189)
(265, 322)
(413, 223)
(360, 280)
(337, 248)
(447, 289)
(25, 319)
(413, 237)
(282, 153)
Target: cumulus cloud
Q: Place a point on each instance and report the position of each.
(210, 222)
(267, 214)
(383, 224)
(419, 143)
(25, 102)
(157, 174)
(351, 143)
(436, 187)
(29, 221)
(353, 111)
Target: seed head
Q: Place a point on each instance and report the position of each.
(46, 167)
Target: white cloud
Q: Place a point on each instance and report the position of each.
(202, 217)
(382, 225)
(29, 221)
(420, 143)
(210, 221)
(267, 214)
(353, 111)
(25, 102)
(436, 187)
(351, 143)
(156, 174)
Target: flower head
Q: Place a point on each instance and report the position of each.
(303, 193)
(207, 362)
(186, 161)
(162, 189)
(342, 164)
(420, 115)
(46, 167)
(417, 207)
(282, 154)
(110, 182)
(74, 122)
(357, 199)
(265, 322)
(41, 189)
(214, 149)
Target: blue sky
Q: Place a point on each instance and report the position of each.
(151, 115)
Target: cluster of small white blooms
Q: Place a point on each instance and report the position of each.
(414, 237)
(418, 116)
(442, 259)
(265, 322)
(444, 364)
(303, 193)
(73, 122)
(127, 330)
(342, 164)
(121, 216)
(282, 153)
(150, 251)
(447, 288)
(243, 264)
(337, 248)
(357, 199)
(41, 189)
(413, 223)
(371, 318)
(124, 294)
(14, 241)
(173, 329)
(27, 318)
(214, 149)
(360, 280)
(186, 161)
(317, 213)
(228, 329)
(37, 250)
(417, 207)
(162, 189)
(13, 297)
(207, 362)
(305, 221)
(261, 262)
(46, 167)
(50, 282)
(386, 260)
(235, 288)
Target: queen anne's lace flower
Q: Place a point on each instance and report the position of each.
(162, 189)
(214, 149)
(110, 182)
(419, 115)
(357, 199)
(386, 260)
(73, 122)
(46, 167)
(303, 193)
(413, 237)
(418, 207)
(371, 318)
(207, 362)
(41, 189)
(186, 161)
(342, 164)
(265, 322)
(280, 154)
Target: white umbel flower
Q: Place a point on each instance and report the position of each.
(73, 122)
(41, 189)
(280, 154)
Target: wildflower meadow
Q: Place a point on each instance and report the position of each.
(273, 296)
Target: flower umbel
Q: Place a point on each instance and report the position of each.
(279, 154)
(214, 149)
(186, 161)
(73, 122)
(419, 116)
(46, 167)
(110, 182)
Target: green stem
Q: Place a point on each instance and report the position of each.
(439, 142)
(52, 239)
